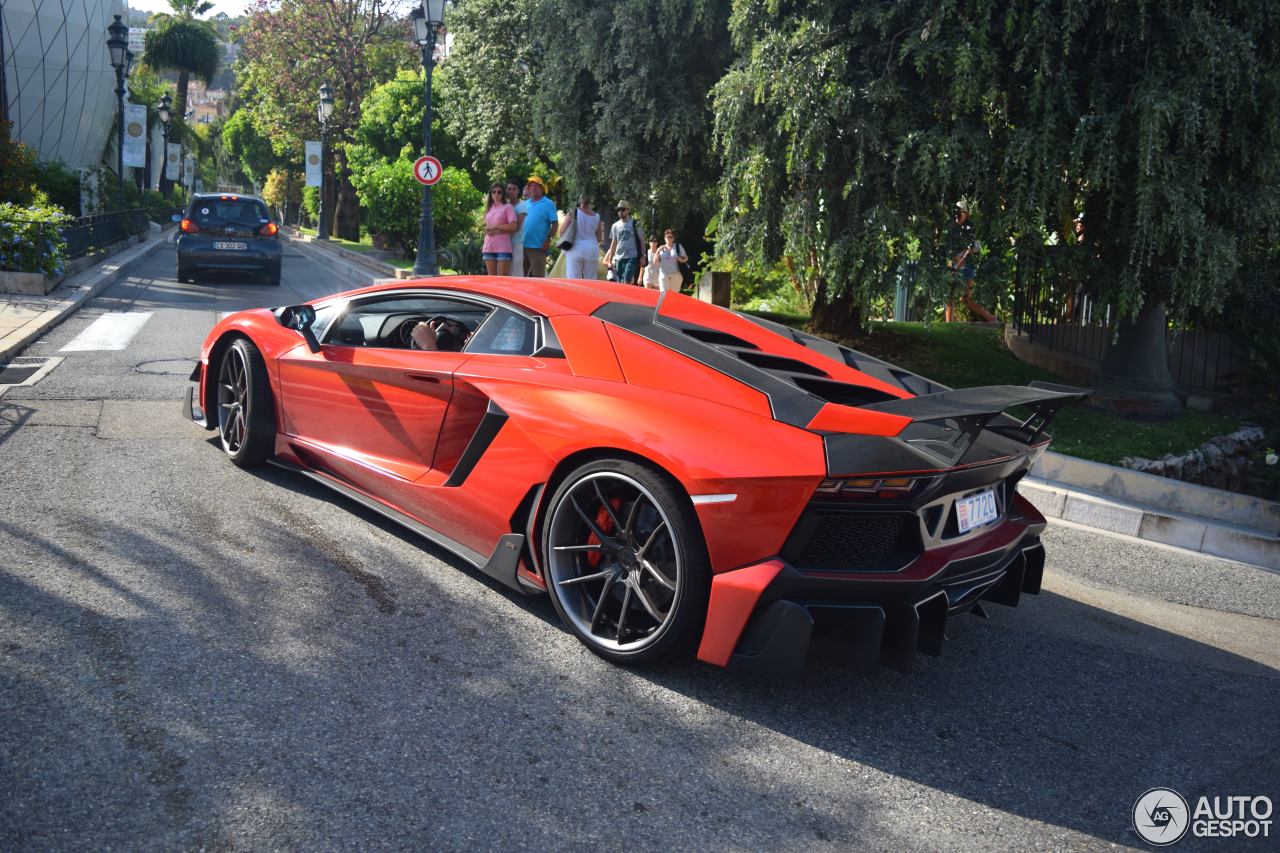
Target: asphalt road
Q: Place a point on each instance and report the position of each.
(194, 656)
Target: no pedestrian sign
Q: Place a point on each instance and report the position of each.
(427, 170)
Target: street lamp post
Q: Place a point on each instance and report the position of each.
(118, 45)
(427, 19)
(325, 111)
(165, 112)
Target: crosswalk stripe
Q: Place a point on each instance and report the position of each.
(112, 331)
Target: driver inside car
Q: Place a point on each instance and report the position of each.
(440, 334)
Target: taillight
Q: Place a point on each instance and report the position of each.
(858, 488)
(189, 226)
(269, 230)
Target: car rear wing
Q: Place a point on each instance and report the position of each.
(953, 428)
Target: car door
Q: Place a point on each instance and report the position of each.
(366, 407)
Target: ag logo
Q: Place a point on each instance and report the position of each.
(1160, 816)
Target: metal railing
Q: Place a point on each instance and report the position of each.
(89, 233)
(1057, 306)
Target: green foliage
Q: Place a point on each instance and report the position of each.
(393, 198)
(250, 150)
(282, 187)
(610, 95)
(180, 44)
(31, 238)
(17, 169)
(311, 205)
(60, 185)
(847, 130)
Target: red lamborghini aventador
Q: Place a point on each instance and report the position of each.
(676, 476)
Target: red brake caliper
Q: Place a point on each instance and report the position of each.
(605, 523)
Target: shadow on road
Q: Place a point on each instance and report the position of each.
(234, 663)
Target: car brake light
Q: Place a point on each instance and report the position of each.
(268, 230)
(188, 226)
(872, 487)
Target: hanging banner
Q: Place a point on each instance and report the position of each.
(172, 153)
(313, 164)
(135, 135)
(189, 172)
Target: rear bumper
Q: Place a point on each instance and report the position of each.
(195, 251)
(771, 616)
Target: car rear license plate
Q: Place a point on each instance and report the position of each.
(238, 247)
(976, 510)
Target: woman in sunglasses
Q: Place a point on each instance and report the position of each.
(499, 223)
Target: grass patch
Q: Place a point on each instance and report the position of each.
(964, 356)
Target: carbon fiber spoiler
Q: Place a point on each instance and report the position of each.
(977, 407)
(951, 428)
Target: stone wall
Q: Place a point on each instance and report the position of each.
(1222, 462)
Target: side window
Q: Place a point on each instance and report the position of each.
(505, 333)
(388, 321)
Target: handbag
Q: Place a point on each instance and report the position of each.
(685, 270)
(569, 234)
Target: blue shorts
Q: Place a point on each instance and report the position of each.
(495, 256)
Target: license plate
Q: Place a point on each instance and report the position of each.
(976, 511)
(239, 247)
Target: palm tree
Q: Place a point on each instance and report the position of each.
(179, 42)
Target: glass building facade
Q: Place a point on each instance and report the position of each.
(59, 84)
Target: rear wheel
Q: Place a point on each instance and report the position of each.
(627, 566)
(273, 278)
(246, 412)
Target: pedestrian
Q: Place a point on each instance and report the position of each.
(962, 260)
(517, 237)
(626, 246)
(670, 256)
(499, 222)
(540, 227)
(652, 272)
(582, 255)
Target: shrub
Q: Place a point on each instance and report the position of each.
(393, 198)
(31, 238)
(17, 169)
(60, 184)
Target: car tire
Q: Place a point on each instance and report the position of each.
(626, 563)
(273, 278)
(246, 409)
(184, 275)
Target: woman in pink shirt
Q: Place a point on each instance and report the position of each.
(499, 223)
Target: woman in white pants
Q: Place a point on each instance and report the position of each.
(670, 256)
(582, 259)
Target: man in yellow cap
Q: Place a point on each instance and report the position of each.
(540, 226)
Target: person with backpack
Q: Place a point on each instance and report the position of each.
(671, 257)
(626, 253)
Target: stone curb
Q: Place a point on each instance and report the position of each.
(1206, 536)
(383, 270)
(75, 290)
(1159, 493)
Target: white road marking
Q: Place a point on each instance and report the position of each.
(112, 331)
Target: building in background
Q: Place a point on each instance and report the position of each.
(58, 80)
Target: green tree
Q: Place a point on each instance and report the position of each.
(393, 198)
(613, 96)
(251, 152)
(350, 45)
(180, 42)
(846, 131)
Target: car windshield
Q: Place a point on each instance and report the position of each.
(213, 211)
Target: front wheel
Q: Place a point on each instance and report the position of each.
(246, 412)
(627, 566)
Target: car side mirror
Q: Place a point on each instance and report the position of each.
(300, 318)
(177, 217)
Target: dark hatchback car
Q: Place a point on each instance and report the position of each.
(226, 232)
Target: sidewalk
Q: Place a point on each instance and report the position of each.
(24, 318)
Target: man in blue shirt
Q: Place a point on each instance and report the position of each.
(540, 226)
